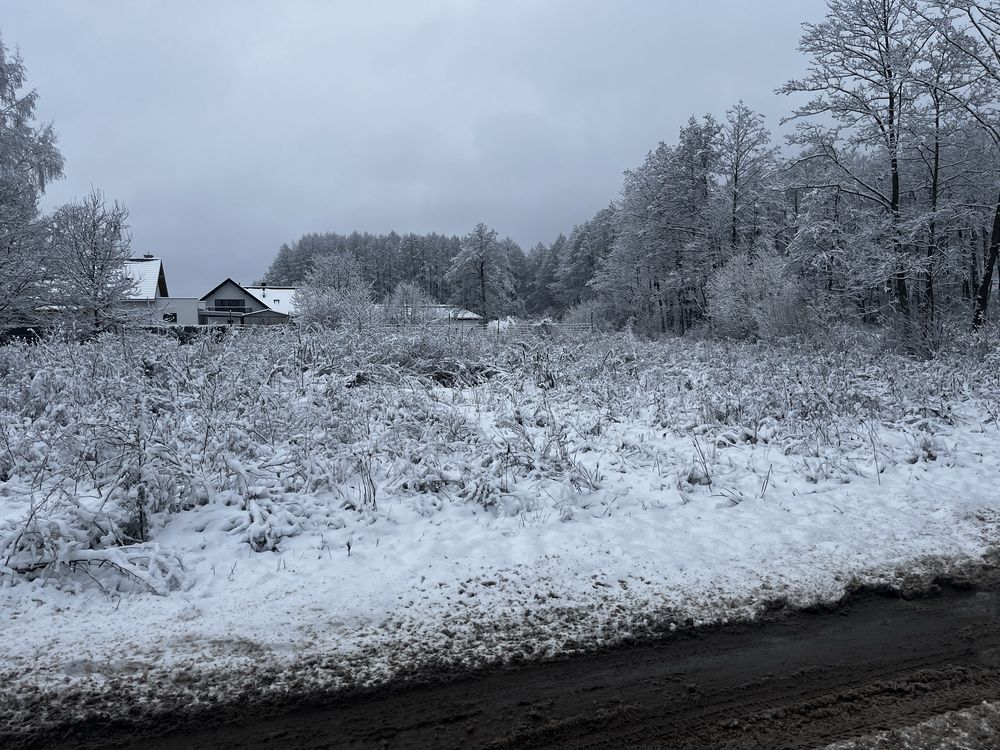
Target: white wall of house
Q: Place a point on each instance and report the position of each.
(181, 311)
(228, 301)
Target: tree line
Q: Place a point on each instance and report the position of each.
(480, 271)
(883, 207)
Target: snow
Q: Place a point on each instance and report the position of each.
(146, 272)
(976, 726)
(585, 492)
(440, 313)
(278, 298)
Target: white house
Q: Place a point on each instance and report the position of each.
(233, 304)
(150, 302)
(449, 315)
(278, 298)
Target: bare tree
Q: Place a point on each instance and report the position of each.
(336, 293)
(972, 29)
(746, 162)
(862, 58)
(408, 304)
(936, 131)
(90, 246)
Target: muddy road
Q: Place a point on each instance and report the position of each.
(798, 680)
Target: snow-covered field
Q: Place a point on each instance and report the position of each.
(275, 511)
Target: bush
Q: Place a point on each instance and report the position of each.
(589, 313)
(756, 297)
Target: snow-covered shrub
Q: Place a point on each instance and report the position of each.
(408, 304)
(755, 297)
(336, 294)
(104, 441)
(588, 313)
(270, 433)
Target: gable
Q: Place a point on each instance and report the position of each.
(231, 285)
(230, 295)
(150, 281)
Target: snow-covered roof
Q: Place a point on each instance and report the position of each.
(451, 312)
(150, 281)
(279, 298)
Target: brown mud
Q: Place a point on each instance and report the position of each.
(801, 679)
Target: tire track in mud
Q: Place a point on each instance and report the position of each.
(799, 680)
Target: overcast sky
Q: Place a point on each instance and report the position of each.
(228, 128)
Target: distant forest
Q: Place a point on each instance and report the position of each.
(386, 260)
(886, 211)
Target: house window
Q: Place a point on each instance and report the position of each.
(169, 317)
(231, 306)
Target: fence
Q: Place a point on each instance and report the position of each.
(502, 330)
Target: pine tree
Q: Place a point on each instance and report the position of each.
(545, 264)
(587, 246)
(29, 160)
(480, 275)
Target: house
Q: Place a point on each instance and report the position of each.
(150, 280)
(233, 304)
(449, 315)
(278, 298)
(435, 314)
(149, 301)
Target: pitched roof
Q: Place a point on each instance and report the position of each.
(452, 313)
(281, 299)
(150, 281)
(229, 280)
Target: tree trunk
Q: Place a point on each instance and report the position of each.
(902, 293)
(966, 280)
(482, 286)
(734, 238)
(974, 265)
(932, 229)
(986, 283)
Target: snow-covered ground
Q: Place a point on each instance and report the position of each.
(272, 512)
(975, 727)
